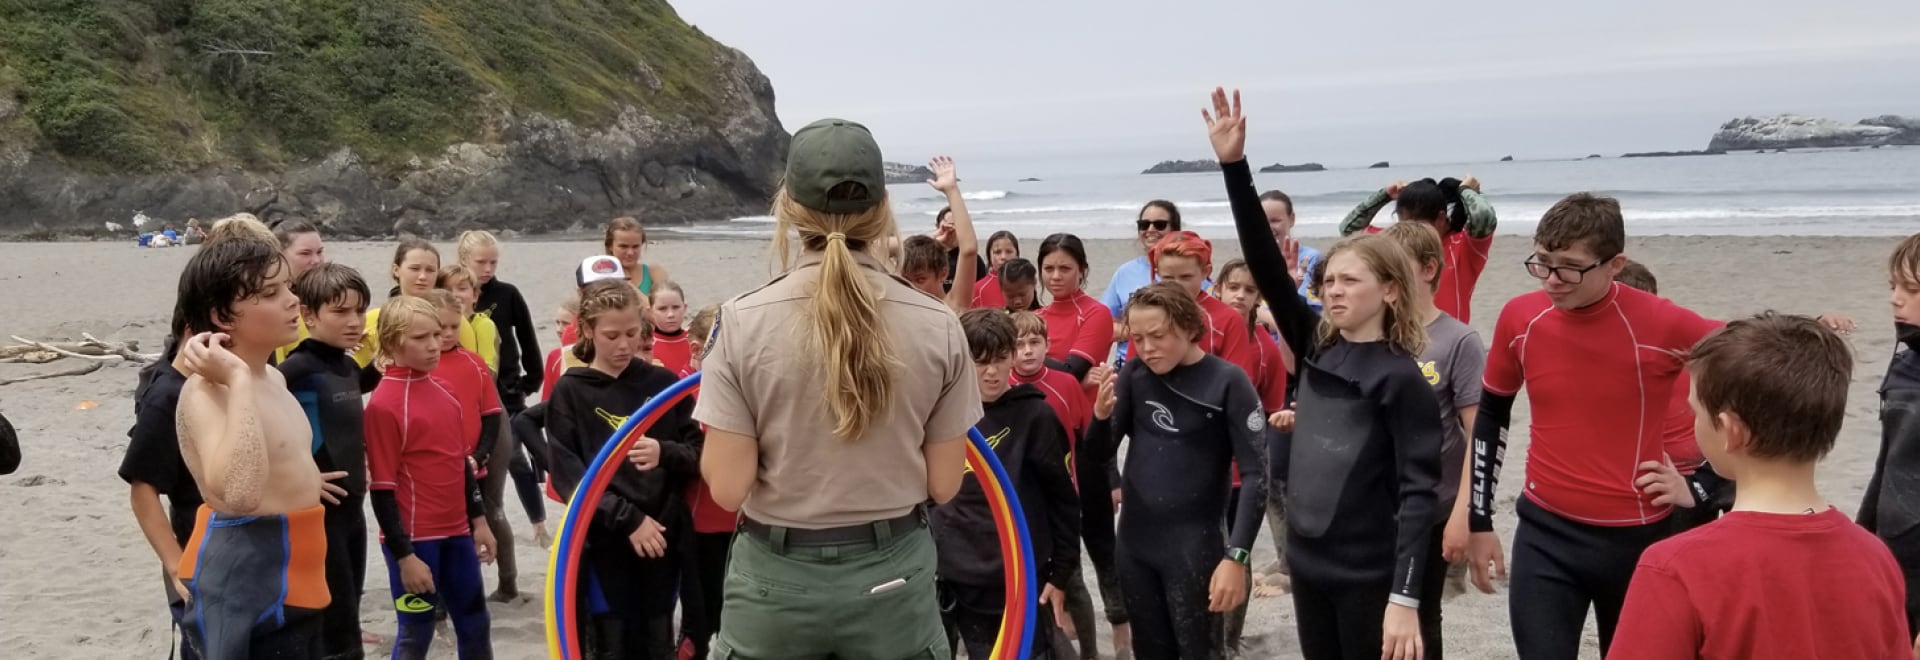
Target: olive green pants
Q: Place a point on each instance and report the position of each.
(800, 602)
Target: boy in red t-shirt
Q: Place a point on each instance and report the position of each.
(1598, 360)
(425, 494)
(1784, 575)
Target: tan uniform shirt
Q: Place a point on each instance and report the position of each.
(761, 380)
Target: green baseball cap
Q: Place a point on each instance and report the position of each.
(831, 152)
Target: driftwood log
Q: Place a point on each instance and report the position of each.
(89, 348)
(89, 351)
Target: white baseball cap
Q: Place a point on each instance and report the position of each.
(594, 269)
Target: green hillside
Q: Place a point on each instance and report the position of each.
(170, 85)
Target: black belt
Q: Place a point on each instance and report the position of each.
(876, 532)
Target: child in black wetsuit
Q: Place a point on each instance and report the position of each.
(1888, 509)
(326, 381)
(1031, 443)
(1188, 415)
(1363, 458)
(641, 536)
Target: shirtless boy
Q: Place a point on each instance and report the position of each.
(255, 567)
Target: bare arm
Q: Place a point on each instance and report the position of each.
(1466, 468)
(966, 269)
(730, 463)
(220, 431)
(154, 524)
(946, 466)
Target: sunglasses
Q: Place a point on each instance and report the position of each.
(1156, 225)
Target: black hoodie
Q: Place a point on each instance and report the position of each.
(520, 366)
(1032, 445)
(1891, 507)
(586, 407)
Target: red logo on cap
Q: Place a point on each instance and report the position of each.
(604, 266)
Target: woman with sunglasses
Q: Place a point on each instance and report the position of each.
(1155, 220)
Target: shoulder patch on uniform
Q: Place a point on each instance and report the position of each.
(1256, 421)
(713, 335)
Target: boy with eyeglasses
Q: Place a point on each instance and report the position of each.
(1599, 361)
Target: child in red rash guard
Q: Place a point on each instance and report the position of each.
(1712, 494)
(1236, 288)
(1070, 404)
(425, 494)
(1186, 258)
(1598, 360)
(713, 527)
(467, 377)
(1785, 574)
(1003, 247)
(1456, 210)
(671, 346)
(1079, 328)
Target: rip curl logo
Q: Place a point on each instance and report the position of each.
(1162, 417)
(1256, 421)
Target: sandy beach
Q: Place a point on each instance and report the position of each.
(82, 583)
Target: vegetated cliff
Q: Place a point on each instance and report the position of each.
(374, 118)
(1801, 132)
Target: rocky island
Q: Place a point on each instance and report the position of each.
(372, 119)
(1183, 167)
(904, 173)
(1303, 167)
(1802, 132)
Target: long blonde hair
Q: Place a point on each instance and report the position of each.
(845, 329)
(473, 240)
(1393, 266)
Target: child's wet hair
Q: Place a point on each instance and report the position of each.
(598, 299)
(990, 334)
(1183, 312)
(328, 284)
(220, 274)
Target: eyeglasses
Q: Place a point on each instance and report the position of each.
(1566, 274)
(1156, 225)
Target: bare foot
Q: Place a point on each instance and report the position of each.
(540, 535)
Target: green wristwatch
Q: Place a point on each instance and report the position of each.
(1240, 556)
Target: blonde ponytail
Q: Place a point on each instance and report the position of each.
(845, 328)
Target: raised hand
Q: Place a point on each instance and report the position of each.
(1226, 127)
(1470, 181)
(944, 179)
(1393, 189)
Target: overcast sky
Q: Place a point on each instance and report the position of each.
(1064, 83)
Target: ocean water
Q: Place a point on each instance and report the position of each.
(1837, 192)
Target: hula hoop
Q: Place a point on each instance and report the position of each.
(563, 565)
